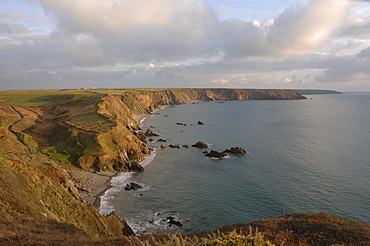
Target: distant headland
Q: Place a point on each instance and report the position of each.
(314, 92)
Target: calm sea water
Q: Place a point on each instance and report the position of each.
(303, 156)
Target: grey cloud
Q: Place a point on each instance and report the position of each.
(92, 38)
(135, 31)
(172, 31)
(365, 53)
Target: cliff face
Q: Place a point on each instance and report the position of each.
(35, 191)
(129, 148)
(150, 100)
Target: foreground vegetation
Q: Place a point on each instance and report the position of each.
(290, 230)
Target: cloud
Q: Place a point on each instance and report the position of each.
(365, 53)
(166, 30)
(358, 22)
(111, 43)
(220, 81)
(297, 31)
(134, 31)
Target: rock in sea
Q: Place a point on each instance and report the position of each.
(200, 145)
(149, 132)
(132, 186)
(236, 151)
(216, 154)
(171, 220)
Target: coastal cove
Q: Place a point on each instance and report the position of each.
(303, 156)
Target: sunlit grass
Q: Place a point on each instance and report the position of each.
(39, 98)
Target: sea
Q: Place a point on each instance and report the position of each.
(303, 156)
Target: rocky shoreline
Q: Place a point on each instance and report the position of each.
(91, 185)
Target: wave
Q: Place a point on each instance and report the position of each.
(118, 184)
(141, 122)
(149, 222)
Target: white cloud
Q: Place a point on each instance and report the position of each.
(220, 81)
(164, 30)
(296, 31)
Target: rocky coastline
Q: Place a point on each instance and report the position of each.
(58, 157)
(128, 111)
(62, 147)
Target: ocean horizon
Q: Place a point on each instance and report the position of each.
(303, 156)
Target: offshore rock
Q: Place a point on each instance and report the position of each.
(171, 220)
(174, 146)
(216, 154)
(200, 145)
(132, 186)
(236, 151)
(149, 132)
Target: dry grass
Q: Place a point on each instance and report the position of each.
(309, 229)
(38, 232)
(52, 233)
(215, 238)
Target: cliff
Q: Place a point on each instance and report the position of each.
(37, 193)
(45, 134)
(315, 92)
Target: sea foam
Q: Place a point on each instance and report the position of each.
(118, 183)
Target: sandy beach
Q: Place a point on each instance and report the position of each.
(91, 185)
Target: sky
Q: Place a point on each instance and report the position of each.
(272, 44)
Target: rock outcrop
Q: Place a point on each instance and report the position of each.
(150, 132)
(132, 186)
(200, 145)
(216, 154)
(173, 221)
(236, 151)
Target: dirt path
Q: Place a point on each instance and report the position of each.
(16, 134)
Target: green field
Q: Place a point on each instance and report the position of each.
(39, 98)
